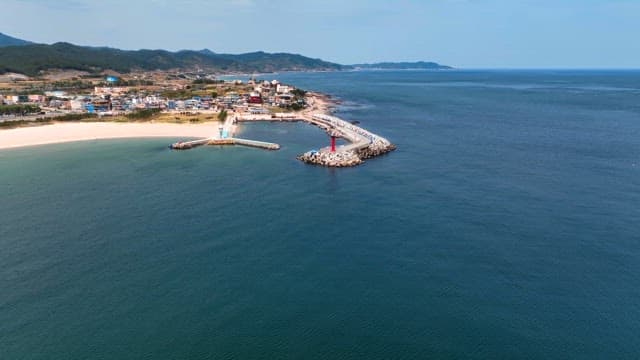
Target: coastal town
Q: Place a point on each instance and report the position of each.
(114, 95)
(192, 99)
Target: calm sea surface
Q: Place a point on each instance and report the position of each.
(506, 225)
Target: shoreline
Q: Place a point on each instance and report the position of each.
(64, 132)
(362, 144)
(57, 133)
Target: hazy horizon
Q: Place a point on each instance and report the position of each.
(466, 34)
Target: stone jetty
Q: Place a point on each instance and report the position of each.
(331, 159)
(362, 145)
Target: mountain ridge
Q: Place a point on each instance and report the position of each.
(28, 58)
(32, 59)
(6, 40)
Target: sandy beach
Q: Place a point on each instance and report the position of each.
(78, 131)
(82, 131)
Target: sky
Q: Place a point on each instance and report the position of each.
(460, 33)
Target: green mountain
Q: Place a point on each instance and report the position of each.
(32, 58)
(269, 62)
(403, 66)
(6, 40)
(27, 58)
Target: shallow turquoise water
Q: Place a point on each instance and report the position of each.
(504, 226)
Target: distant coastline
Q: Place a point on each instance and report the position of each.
(416, 65)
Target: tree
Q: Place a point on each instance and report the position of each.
(222, 116)
(298, 92)
(19, 109)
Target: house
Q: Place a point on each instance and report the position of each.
(255, 98)
(56, 94)
(109, 90)
(77, 104)
(283, 89)
(283, 99)
(36, 98)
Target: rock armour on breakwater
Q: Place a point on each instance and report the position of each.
(373, 151)
(363, 144)
(344, 158)
(335, 159)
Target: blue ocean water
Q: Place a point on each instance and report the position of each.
(506, 225)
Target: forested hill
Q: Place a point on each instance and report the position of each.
(6, 40)
(30, 59)
(24, 57)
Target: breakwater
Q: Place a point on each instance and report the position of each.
(227, 141)
(363, 144)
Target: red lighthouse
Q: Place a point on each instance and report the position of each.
(334, 134)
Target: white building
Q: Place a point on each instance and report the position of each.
(77, 104)
(108, 90)
(283, 89)
(57, 93)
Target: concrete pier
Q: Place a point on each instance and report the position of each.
(226, 141)
(256, 144)
(185, 145)
(245, 142)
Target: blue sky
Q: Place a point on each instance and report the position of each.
(461, 33)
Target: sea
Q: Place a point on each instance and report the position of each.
(505, 226)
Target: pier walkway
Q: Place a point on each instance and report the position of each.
(256, 144)
(362, 144)
(185, 145)
(226, 141)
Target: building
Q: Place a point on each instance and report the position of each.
(255, 98)
(14, 99)
(283, 89)
(284, 99)
(36, 98)
(101, 104)
(56, 94)
(108, 90)
(77, 104)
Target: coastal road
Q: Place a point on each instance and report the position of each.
(32, 117)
